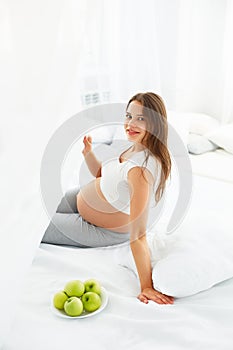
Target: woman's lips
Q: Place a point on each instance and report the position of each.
(130, 132)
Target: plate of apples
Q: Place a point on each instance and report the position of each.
(79, 299)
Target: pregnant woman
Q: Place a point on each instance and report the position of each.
(114, 207)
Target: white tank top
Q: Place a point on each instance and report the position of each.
(114, 182)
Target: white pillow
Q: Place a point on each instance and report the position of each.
(196, 261)
(200, 123)
(198, 254)
(198, 144)
(222, 137)
(187, 262)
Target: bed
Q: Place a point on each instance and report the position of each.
(200, 320)
(216, 165)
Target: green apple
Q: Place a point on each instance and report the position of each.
(92, 285)
(59, 300)
(91, 301)
(74, 288)
(73, 306)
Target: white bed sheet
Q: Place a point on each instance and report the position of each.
(201, 321)
(216, 165)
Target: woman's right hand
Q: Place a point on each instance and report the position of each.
(158, 297)
(87, 140)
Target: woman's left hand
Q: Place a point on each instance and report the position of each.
(152, 294)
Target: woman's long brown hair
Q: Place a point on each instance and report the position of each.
(156, 136)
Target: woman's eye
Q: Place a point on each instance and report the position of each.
(140, 119)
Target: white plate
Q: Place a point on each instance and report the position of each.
(104, 301)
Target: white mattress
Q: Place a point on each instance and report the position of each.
(201, 321)
(216, 165)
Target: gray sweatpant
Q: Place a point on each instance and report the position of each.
(67, 227)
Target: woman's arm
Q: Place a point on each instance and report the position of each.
(94, 165)
(139, 208)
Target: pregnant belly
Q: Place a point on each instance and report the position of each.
(94, 208)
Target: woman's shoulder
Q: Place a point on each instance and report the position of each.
(147, 161)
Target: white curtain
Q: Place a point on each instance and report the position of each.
(199, 61)
(120, 45)
(227, 106)
(180, 49)
(204, 43)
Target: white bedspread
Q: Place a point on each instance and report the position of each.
(203, 321)
(217, 165)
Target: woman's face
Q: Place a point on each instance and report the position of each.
(135, 122)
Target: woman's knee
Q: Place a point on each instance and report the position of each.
(68, 203)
